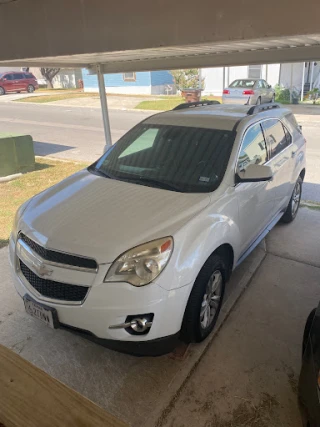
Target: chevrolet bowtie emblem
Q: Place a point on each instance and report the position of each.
(43, 270)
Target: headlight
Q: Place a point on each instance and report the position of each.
(142, 264)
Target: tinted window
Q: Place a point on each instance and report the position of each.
(243, 83)
(253, 150)
(18, 76)
(293, 124)
(288, 135)
(275, 136)
(8, 76)
(28, 76)
(176, 158)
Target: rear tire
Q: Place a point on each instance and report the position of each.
(294, 203)
(273, 99)
(307, 330)
(30, 89)
(2, 91)
(205, 300)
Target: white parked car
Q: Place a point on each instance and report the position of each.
(136, 250)
(249, 92)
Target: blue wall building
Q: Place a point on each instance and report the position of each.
(147, 82)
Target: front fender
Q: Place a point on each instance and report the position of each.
(194, 244)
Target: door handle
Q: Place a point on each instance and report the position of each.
(293, 153)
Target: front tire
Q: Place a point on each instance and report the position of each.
(294, 203)
(2, 91)
(205, 301)
(273, 99)
(30, 89)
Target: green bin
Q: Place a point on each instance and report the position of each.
(16, 154)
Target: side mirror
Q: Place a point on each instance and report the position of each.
(269, 86)
(255, 173)
(300, 127)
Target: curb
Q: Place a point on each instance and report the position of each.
(9, 178)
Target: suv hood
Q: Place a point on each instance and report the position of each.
(101, 218)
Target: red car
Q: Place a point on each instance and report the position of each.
(17, 81)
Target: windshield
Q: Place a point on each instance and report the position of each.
(175, 158)
(243, 83)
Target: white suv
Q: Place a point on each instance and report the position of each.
(136, 250)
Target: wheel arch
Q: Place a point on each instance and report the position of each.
(226, 252)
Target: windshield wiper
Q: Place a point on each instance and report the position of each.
(154, 183)
(101, 173)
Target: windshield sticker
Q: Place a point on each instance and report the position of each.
(204, 179)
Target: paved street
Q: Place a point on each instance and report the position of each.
(67, 132)
(77, 132)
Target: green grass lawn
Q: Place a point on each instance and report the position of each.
(56, 97)
(14, 193)
(168, 102)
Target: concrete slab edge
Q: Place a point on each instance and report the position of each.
(309, 204)
(163, 409)
(9, 178)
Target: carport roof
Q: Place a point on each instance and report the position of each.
(257, 51)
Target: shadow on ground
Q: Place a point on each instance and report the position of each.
(311, 192)
(46, 148)
(3, 243)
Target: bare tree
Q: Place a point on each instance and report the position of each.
(49, 74)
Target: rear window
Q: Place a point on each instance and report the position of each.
(243, 83)
(29, 76)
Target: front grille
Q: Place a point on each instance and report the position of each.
(54, 290)
(59, 257)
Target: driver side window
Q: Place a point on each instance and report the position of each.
(254, 148)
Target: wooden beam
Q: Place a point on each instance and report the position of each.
(30, 397)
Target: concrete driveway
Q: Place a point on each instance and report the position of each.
(250, 367)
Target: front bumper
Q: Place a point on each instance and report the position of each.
(109, 304)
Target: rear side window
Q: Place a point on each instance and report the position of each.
(292, 122)
(254, 149)
(275, 136)
(288, 135)
(28, 76)
(18, 76)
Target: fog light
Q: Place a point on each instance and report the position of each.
(139, 324)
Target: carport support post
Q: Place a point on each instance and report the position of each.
(302, 84)
(104, 109)
(311, 77)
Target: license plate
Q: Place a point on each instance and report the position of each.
(41, 312)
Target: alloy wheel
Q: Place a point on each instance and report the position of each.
(296, 198)
(211, 299)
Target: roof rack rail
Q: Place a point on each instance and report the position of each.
(263, 107)
(195, 104)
